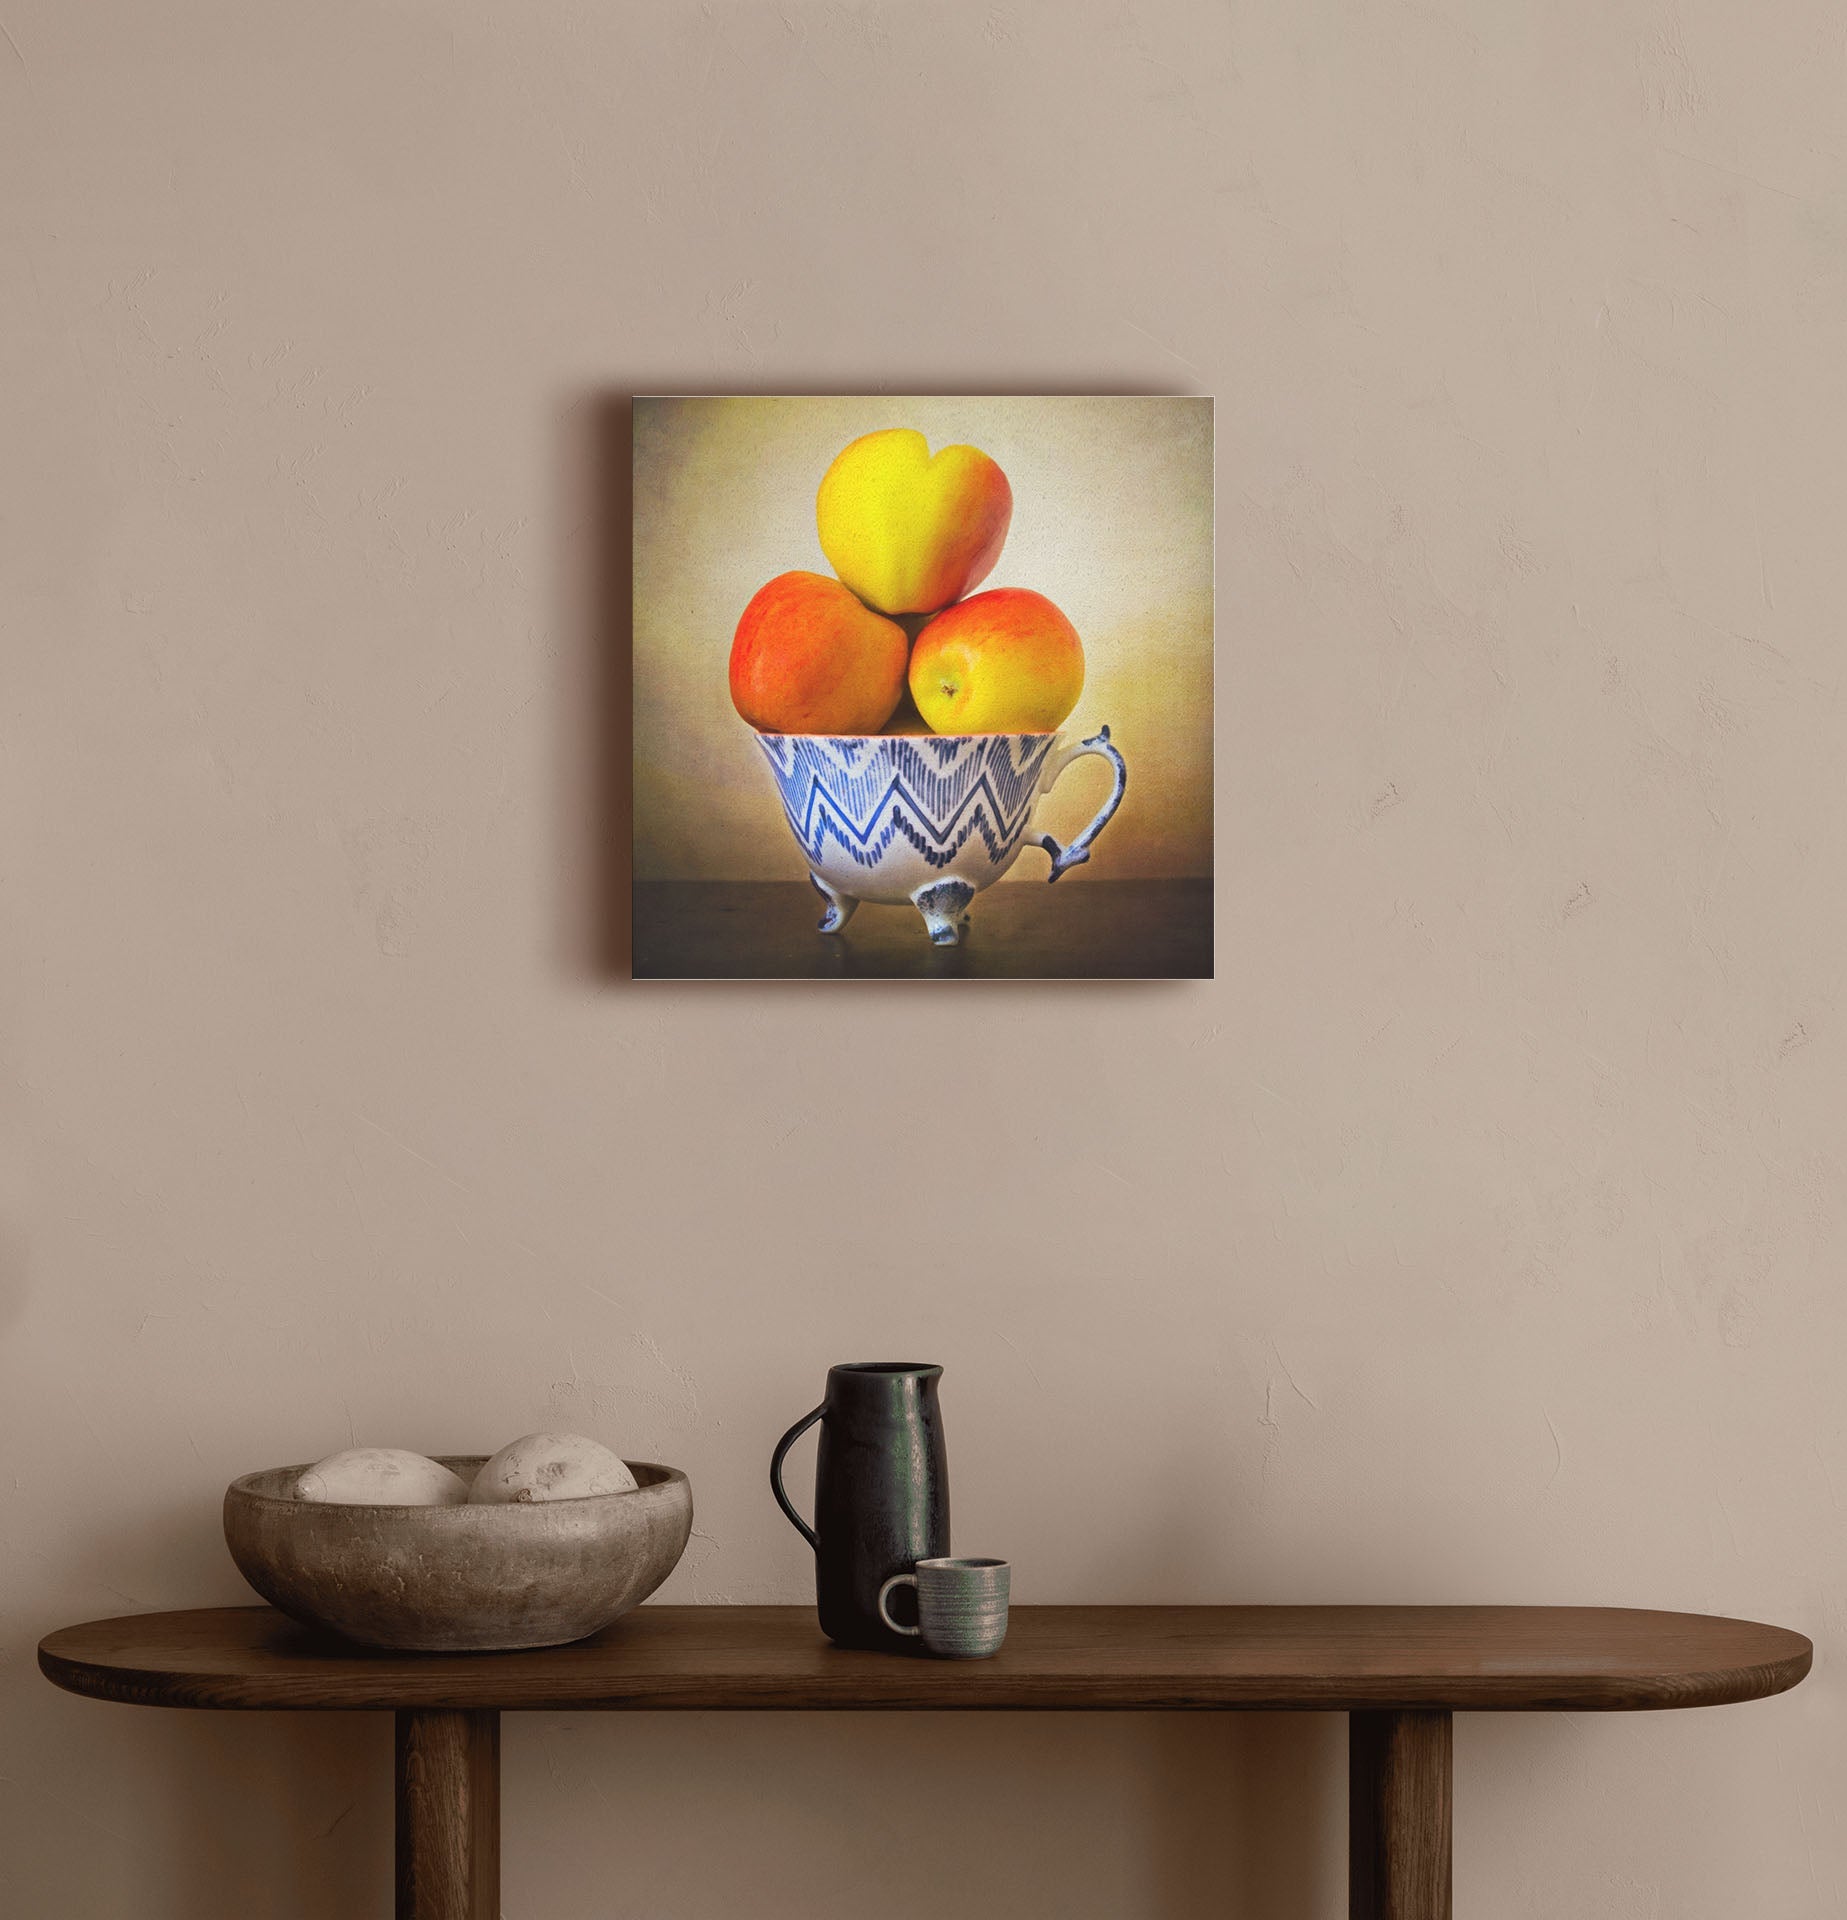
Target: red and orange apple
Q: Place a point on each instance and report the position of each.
(1006, 661)
(809, 658)
(909, 531)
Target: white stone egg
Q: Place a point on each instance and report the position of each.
(381, 1477)
(550, 1466)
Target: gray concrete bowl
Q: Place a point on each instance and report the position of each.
(459, 1579)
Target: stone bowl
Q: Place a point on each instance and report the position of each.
(465, 1579)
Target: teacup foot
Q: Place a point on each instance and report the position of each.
(841, 907)
(944, 906)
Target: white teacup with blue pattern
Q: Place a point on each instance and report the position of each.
(925, 818)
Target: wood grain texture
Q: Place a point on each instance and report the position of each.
(1505, 1659)
(1398, 1816)
(448, 1815)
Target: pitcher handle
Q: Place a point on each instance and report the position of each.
(1079, 850)
(782, 1447)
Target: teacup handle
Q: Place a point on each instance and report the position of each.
(897, 1580)
(1079, 850)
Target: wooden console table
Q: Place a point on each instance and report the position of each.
(1399, 1673)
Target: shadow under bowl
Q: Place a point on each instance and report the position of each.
(459, 1579)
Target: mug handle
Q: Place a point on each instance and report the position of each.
(897, 1580)
(1079, 850)
(782, 1447)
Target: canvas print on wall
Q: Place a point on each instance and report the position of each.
(923, 688)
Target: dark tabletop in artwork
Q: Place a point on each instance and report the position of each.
(765, 930)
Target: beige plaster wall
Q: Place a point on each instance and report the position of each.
(1479, 1233)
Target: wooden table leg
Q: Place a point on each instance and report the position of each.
(1398, 1813)
(448, 1814)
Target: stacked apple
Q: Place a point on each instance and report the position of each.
(909, 534)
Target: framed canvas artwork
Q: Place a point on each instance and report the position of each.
(923, 687)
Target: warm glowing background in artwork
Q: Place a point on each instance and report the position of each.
(1112, 519)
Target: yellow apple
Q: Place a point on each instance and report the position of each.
(1006, 661)
(907, 530)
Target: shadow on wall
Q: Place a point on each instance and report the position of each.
(1248, 1815)
(1082, 1816)
(594, 513)
(596, 703)
(276, 1814)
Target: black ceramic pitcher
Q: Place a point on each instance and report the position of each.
(881, 1492)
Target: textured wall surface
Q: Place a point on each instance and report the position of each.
(1112, 521)
(1478, 1234)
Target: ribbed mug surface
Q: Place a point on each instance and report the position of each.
(962, 1606)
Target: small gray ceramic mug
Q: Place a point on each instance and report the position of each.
(961, 1606)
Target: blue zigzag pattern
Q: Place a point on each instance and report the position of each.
(936, 792)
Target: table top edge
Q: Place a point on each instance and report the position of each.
(1782, 1658)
